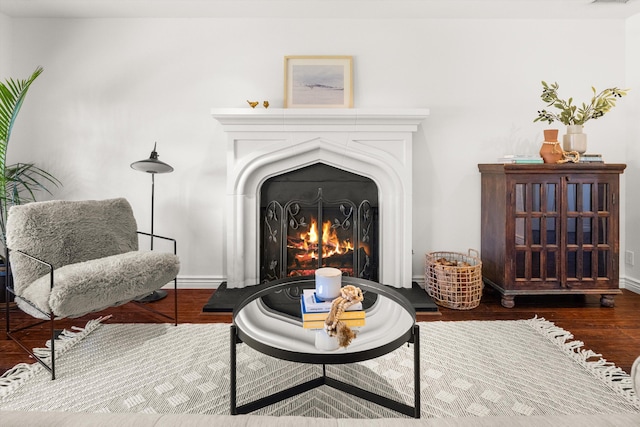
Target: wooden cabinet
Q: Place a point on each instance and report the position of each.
(551, 229)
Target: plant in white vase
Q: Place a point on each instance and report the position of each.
(574, 116)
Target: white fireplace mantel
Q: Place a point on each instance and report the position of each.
(375, 143)
(328, 119)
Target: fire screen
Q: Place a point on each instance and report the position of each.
(319, 216)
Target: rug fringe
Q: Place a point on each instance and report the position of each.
(616, 378)
(16, 376)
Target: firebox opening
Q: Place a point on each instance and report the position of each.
(318, 216)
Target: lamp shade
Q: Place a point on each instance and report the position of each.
(152, 164)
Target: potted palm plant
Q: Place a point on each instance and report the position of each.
(18, 182)
(574, 116)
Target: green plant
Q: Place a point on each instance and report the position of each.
(571, 114)
(19, 181)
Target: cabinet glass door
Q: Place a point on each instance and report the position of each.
(537, 222)
(588, 218)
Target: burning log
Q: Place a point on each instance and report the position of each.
(339, 260)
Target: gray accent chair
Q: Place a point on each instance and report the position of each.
(69, 258)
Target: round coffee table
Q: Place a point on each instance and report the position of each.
(390, 323)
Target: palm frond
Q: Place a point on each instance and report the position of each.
(19, 182)
(23, 180)
(12, 95)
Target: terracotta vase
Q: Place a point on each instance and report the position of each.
(551, 152)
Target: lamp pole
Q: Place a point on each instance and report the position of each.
(153, 192)
(153, 166)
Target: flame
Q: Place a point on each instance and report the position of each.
(331, 244)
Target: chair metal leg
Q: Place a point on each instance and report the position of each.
(11, 334)
(53, 348)
(175, 300)
(174, 319)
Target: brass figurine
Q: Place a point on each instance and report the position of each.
(252, 103)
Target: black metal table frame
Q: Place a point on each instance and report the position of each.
(412, 336)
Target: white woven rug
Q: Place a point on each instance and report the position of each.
(472, 368)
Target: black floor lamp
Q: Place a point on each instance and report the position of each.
(153, 166)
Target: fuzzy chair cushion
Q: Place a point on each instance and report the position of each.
(100, 283)
(67, 232)
(92, 246)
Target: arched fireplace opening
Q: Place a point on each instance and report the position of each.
(318, 216)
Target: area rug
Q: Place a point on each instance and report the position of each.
(468, 368)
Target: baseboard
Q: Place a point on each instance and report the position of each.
(419, 280)
(630, 284)
(196, 282)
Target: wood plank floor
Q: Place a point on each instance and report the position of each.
(612, 332)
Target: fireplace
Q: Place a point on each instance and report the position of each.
(268, 147)
(318, 216)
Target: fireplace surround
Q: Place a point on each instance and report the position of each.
(372, 143)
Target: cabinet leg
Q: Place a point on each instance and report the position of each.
(508, 301)
(607, 300)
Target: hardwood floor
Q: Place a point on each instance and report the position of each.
(612, 332)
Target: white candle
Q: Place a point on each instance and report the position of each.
(328, 283)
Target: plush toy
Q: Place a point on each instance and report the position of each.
(349, 295)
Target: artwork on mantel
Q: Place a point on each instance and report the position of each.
(318, 82)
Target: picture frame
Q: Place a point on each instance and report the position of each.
(318, 81)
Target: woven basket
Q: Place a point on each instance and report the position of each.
(454, 286)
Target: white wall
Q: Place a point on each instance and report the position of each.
(632, 173)
(5, 46)
(111, 87)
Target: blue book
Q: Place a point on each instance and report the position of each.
(310, 303)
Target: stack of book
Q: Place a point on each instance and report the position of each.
(520, 158)
(314, 312)
(591, 158)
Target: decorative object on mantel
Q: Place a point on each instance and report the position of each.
(575, 117)
(252, 103)
(318, 81)
(265, 104)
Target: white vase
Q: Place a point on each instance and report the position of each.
(575, 139)
(326, 342)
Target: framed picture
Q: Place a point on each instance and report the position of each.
(318, 81)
